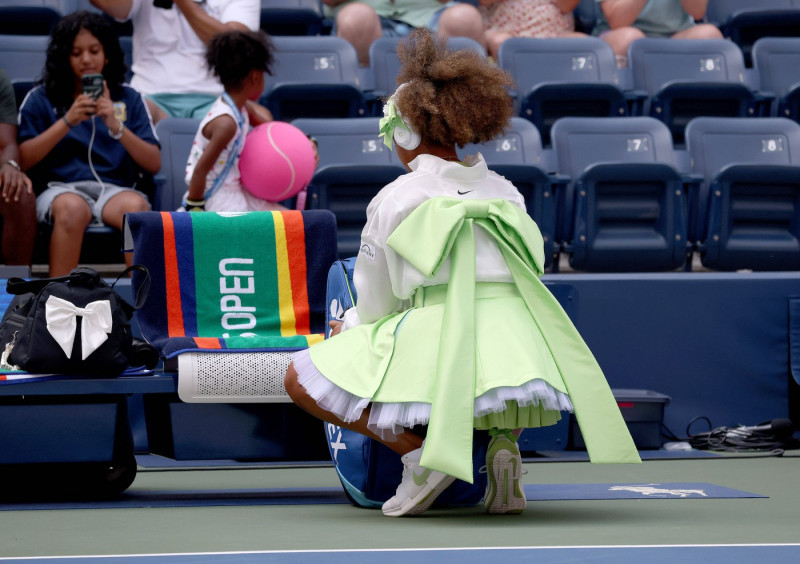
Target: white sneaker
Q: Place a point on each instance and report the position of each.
(504, 493)
(419, 488)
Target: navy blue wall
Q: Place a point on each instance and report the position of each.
(716, 343)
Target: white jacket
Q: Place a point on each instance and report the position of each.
(382, 279)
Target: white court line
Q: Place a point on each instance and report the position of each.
(370, 550)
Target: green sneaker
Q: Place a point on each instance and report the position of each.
(504, 492)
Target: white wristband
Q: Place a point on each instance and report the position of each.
(118, 135)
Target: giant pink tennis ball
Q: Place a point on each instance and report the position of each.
(277, 161)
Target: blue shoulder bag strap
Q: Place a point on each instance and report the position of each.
(237, 147)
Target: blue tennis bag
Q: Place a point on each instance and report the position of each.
(369, 471)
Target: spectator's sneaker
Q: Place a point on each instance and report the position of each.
(419, 488)
(504, 493)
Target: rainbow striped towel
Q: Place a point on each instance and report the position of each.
(232, 281)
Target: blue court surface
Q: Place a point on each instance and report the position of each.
(706, 554)
(335, 495)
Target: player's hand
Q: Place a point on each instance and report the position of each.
(336, 327)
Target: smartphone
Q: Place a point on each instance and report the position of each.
(92, 85)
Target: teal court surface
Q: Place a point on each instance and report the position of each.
(731, 509)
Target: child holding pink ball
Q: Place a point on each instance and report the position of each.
(239, 59)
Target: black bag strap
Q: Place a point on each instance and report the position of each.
(144, 287)
(17, 286)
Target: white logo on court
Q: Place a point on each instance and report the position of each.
(651, 490)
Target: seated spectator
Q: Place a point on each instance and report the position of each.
(17, 202)
(169, 44)
(527, 18)
(364, 21)
(87, 157)
(239, 59)
(621, 22)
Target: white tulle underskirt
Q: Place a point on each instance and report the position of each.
(389, 419)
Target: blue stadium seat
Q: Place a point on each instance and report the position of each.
(21, 89)
(625, 206)
(126, 44)
(585, 14)
(176, 136)
(746, 211)
(314, 77)
(346, 190)
(291, 17)
(777, 61)
(746, 21)
(348, 141)
(23, 56)
(385, 65)
(690, 78)
(26, 19)
(101, 245)
(562, 77)
(517, 156)
(354, 165)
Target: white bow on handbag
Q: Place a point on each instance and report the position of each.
(95, 327)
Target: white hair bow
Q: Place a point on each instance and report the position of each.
(95, 327)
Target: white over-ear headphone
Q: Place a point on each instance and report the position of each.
(406, 137)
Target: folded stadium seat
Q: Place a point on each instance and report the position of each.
(354, 165)
(347, 191)
(291, 17)
(562, 77)
(585, 14)
(746, 211)
(101, 245)
(176, 136)
(777, 61)
(384, 65)
(21, 89)
(690, 78)
(232, 296)
(746, 21)
(25, 19)
(314, 77)
(517, 156)
(625, 206)
(23, 56)
(126, 44)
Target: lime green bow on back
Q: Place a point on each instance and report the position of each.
(442, 228)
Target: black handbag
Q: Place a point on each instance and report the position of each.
(74, 324)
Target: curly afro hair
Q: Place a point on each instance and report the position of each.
(231, 55)
(58, 78)
(451, 97)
